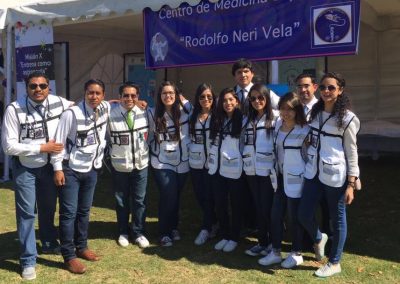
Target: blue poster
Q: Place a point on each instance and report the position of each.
(222, 32)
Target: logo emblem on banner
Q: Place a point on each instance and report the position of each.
(332, 25)
(159, 47)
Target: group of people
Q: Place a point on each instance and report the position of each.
(250, 154)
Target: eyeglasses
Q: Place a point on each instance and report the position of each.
(165, 94)
(41, 86)
(254, 98)
(331, 88)
(305, 86)
(126, 96)
(203, 98)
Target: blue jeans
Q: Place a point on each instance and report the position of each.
(201, 181)
(313, 191)
(130, 196)
(263, 192)
(34, 186)
(76, 198)
(170, 185)
(280, 204)
(225, 190)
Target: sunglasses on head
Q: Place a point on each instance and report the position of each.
(203, 98)
(41, 86)
(260, 98)
(331, 88)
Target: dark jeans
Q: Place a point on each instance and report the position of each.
(263, 192)
(313, 191)
(249, 213)
(225, 190)
(201, 181)
(76, 198)
(130, 197)
(170, 185)
(280, 204)
(34, 186)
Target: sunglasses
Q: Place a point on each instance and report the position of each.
(331, 88)
(259, 98)
(203, 98)
(126, 96)
(41, 86)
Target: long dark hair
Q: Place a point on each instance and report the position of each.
(342, 103)
(197, 107)
(160, 121)
(293, 101)
(217, 120)
(269, 116)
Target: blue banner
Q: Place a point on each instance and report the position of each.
(222, 32)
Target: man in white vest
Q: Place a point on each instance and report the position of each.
(81, 130)
(27, 135)
(128, 130)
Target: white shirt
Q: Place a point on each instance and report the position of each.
(307, 107)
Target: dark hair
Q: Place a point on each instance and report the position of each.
(252, 113)
(293, 101)
(94, 82)
(161, 123)
(240, 64)
(36, 74)
(128, 84)
(306, 75)
(342, 103)
(217, 120)
(197, 107)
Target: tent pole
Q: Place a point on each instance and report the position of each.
(274, 72)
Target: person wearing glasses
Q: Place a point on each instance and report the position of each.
(27, 135)
(82, 130)
(169, 129)
(204, 108)
(258, 162)
(332, 168)
(128, 131)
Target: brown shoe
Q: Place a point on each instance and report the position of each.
(88, 254)
(75, 266)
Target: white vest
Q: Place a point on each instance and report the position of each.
(225, 156)
(258, 151)
(129, 149)
(200, 145)
(35, 129)
(326, 156)
(87, 150)
(293, 162)
(165, 147)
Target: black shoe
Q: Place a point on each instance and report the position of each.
(51, 248)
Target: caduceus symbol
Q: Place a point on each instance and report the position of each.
(337, 21)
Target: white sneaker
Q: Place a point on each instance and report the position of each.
(123, 240)
(220, 245)
(166, 241)
(319, 248)
(201, 238)
(230, 246)
(142, 242)
(175, 235)
(293, 259)
(328, 269)
(271, 258)
(28, 273)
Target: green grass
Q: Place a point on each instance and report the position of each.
(372, 251)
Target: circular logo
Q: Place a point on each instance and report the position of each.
(332, 25)
(158, 47)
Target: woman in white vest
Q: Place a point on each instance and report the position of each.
(258, 161)
(204, 107)
(225, 165)
(169, 126)
(332, 168)
(128, 132)
(290, 138)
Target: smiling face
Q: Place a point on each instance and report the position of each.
(168, 96)
(257, 101)
(229, 104)
(129, 97)
(330, 91)
(243, 77)
(206, 100)
(287, 113)
(306, 90)
(38, 89)
(94, 95)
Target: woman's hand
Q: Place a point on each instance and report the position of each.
(349, 195)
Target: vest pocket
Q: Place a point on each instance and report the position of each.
(169, 153)
(293, 183)
(212, 160)
(230, 164)
(333, 173)
(196, 156)
(264, 160)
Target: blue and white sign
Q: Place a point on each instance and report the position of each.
(222, 32)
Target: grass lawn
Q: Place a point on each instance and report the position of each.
(372, 251)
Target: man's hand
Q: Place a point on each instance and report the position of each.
(59, 178)
(141, 104)
(51, 147)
